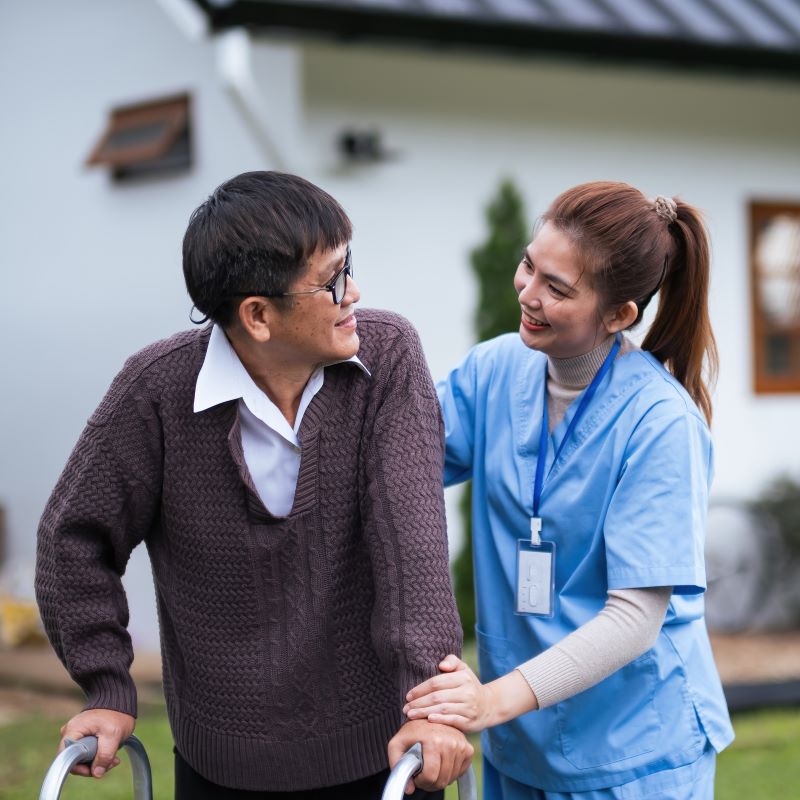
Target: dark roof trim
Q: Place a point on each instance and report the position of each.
(383, 24)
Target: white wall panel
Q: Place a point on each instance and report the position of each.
(91, 271)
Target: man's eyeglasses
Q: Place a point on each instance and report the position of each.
(337, 285)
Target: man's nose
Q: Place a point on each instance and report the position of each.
(352, 293)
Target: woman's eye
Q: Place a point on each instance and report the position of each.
(556, 291)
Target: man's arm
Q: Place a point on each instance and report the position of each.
(102, 506)
(415, 621)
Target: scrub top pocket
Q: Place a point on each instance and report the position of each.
(614, 720)
(493, 662)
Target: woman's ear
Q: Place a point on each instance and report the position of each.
(254, 315)
(622, 317)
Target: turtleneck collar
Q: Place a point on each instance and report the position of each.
(577, 372)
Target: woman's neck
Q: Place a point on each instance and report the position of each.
(577, 372)
(568, 377)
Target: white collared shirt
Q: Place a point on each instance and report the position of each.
(271, 445)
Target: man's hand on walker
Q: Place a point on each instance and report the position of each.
(446, 753)
(458, 698)
(111, 729)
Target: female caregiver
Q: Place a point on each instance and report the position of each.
(591, 461)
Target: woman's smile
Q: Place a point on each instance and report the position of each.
(531, 323)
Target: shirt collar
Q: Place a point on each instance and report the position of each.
(223, 377)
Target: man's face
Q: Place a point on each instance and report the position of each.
(311, 329)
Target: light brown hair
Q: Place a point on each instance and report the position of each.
(632, 248)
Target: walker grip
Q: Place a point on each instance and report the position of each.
(83, 751)
(85, 748)
(410, 764)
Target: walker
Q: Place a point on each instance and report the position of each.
(84, 750)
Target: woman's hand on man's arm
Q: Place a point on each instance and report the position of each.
(458, 698)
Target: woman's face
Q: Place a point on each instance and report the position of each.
(560, 311)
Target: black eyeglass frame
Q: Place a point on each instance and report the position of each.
(330, 286)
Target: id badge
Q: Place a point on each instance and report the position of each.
(536, 572)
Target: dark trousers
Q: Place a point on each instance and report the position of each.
(189, 785)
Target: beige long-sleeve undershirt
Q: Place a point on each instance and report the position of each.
(626, 627)
(631, 619)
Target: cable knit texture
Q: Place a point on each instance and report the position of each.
(288, 643)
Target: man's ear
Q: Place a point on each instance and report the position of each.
(255, 316)
(622, 317)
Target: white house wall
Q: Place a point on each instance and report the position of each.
(460, 123)
(91, 271)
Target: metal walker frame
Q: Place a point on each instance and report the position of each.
(84, 750)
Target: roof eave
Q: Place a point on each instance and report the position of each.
(382, 25)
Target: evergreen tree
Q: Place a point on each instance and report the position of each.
(493, 264)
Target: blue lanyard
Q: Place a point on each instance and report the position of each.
(543, 437)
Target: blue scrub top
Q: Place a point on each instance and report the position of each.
(625, 505)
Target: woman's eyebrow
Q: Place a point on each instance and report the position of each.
(548, 276)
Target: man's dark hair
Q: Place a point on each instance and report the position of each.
(255, 233)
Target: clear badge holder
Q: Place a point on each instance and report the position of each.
(536, 572)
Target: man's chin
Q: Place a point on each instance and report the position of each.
(355, 343)
(344, 349)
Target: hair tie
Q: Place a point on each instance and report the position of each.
(666, 208)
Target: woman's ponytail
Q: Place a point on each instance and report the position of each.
(632, 248)
(681, 336)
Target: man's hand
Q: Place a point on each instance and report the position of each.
(111, 729)
(446, 753)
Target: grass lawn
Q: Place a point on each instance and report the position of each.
(28, 748)
(762, 763)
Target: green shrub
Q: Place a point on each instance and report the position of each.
(493, 265)
(781, 502)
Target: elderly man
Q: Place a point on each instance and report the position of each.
(283, 466)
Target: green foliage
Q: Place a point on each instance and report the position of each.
(494, 262)
(493, 265)
(463, 573)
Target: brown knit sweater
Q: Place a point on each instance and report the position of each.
(288, 643)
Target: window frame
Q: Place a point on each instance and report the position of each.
(172, 112)
(760, 211)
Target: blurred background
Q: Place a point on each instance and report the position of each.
(444, 127)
